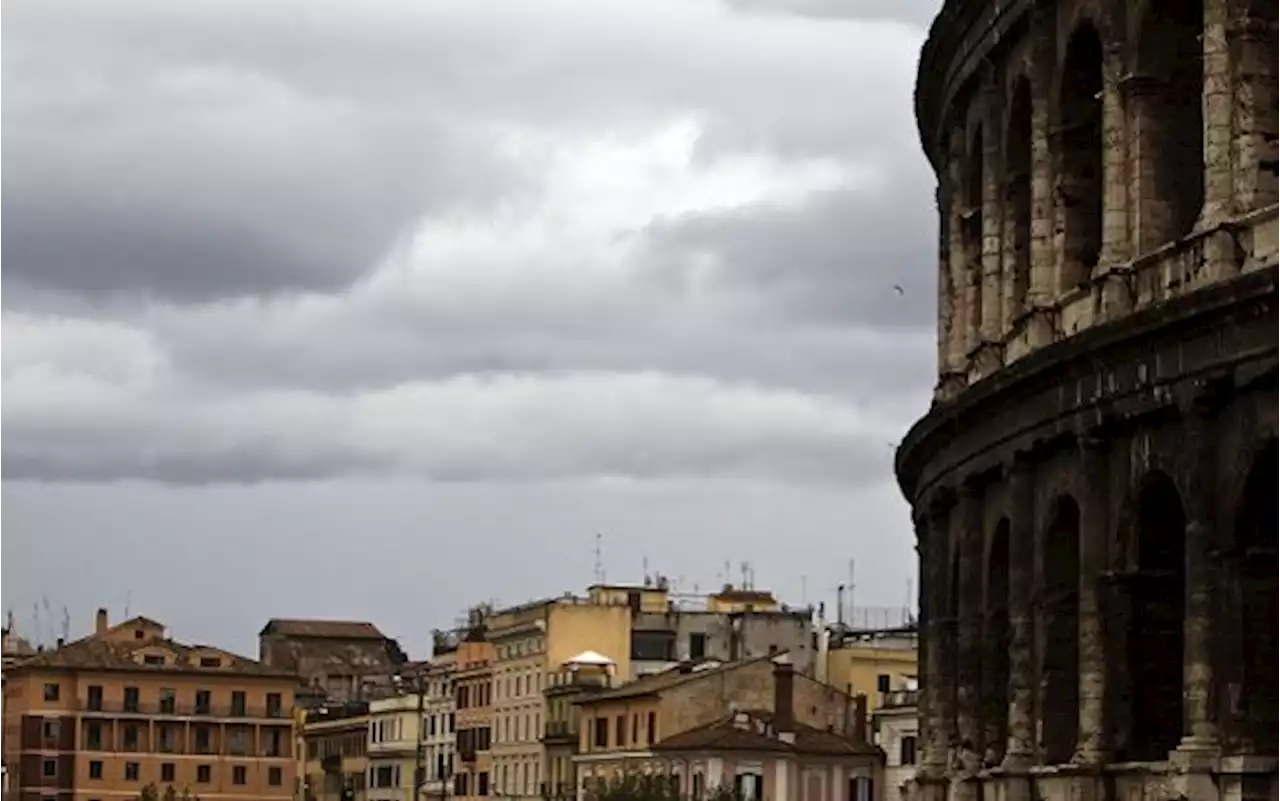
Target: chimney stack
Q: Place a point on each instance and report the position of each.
(860, 719)
(784, 684)
(840, 607)
(100, 624)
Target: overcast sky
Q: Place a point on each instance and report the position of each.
(374, 310)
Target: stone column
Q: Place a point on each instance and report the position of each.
(939, 648)
(1095, 533)
(946, 291)
(969, 619)
(1042, 286)
(1021, 741)
(1200, 731)
(1116, 300)
(1219, 98)
(992, 325)
(959, 278)
(1254, 90)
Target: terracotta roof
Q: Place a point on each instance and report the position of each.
(753, 731)
(666, 679)
(325, 629)
(105, 653)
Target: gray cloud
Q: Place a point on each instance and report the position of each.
(297, 270)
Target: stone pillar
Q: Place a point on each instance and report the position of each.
(938, 716)
(1042, 288)
(992, 288)
(1020, 748)
(1254, 90)
(946, 290)
(1219, 98)
(1150, 210)
(1095, 533)
(1115, 149)
(969, 619)
(1200, 731)
(959, 278)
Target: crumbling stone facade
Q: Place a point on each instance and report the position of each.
(1093, 489)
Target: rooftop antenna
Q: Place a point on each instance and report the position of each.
(599, 568)
(128, 602)
(728, 573)
(852, 607)
(66, 624)
(746, 576)
(644, 566)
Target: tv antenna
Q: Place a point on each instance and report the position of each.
(599, 553)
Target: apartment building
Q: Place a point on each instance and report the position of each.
(896, 727)
(335, 660)
(588, 672)
(730, 625)
(873, 663)
(127, 707)
(336, 743)
(530, 642)
(472, 720)
(438, 735)
(393, 748)
(770, 732)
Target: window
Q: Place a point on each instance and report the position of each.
(210, 662)
(50, 731)
(168, 701)
(239, 775)
(882, 683)
(907, 751)
(861, 788)
(167, 771)
(130, 699)
(204, 740)
(431, 726)
(460, 784)
(237, 703)
(482, 783)
(602, 733)
(131, 771)
(620, 731)
(697, 645)
(167, 736)
(131, 737)
(95, 698)
(275, 777)
(653, 728)
(95, 769)
(747, 786)
(238, 741)
(138, 634)
(93, 736)
(153, 659)
(52, 692)
(274, 743)
(204, 774)
(275, 705)
(699, 786)
(204, 700)
(50, 768)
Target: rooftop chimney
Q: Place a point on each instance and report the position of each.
(100, 624)
(784, 682)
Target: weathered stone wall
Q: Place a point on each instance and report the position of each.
(1098, 558)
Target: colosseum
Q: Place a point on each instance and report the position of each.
(1094, 486)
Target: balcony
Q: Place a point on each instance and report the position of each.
(899, 699)
(167, 708)
(559, 732)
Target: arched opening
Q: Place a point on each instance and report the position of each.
(971, 230)
(1256, 542)
(995, 668)
(1155, 636)
(1170, 121)
(1079, 146)
(1017, 235)
(1060, 670)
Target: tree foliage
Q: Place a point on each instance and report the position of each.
(152, 793)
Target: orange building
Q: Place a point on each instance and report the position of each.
(126, 707)
(473, 717)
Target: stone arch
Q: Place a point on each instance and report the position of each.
(1256, 543)
(1017, 233)
(1060, 669)
(995, 672)
(1078, 190)
(1157, 603)
(971, 231)
(1166, 94)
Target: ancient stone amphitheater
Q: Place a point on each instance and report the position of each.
(1094, 488)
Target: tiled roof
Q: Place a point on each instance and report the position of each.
(753, 731)
(665, 680)
(328, 629)
(98, 652)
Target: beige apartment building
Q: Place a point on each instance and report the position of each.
(127, 707)
(530, 643)
(335, 747)
(472, 720)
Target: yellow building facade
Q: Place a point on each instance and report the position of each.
(531, 643)
(335, 747)
(873, 666)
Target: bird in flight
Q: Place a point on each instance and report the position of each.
(898, 288)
